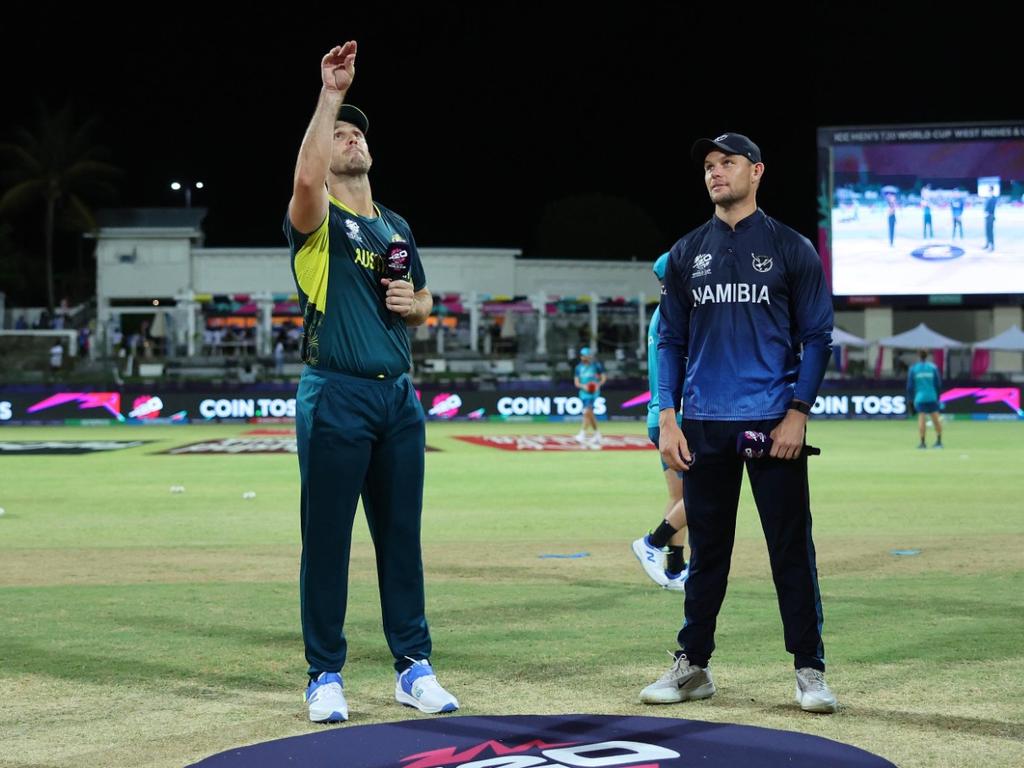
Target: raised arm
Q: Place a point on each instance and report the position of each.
(308, 205)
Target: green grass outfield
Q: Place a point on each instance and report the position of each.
(144, 628)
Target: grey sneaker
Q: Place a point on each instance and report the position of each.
(682, 682)
(812, 692)
(651, 559)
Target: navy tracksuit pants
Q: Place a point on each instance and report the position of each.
(357, 438)
(711, 491)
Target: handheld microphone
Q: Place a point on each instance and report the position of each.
(397, 261)
(757, 445)
(396, 266)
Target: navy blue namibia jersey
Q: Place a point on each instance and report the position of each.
(337, 270)
(746, 313)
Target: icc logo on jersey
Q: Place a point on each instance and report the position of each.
(353, 231)
(701, 265)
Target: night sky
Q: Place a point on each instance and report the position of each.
(482, 115)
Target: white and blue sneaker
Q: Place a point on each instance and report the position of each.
(676, 582)
(325, 699)
(652, 560)
(417, 687)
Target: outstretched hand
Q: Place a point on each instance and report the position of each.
(338, 67)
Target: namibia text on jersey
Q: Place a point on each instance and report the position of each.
(740, 293)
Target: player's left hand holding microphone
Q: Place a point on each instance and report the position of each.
(788, 436)
(399, 296)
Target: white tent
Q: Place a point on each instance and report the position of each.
(841, 343)
(1010, 340)
(921, 337)
(841, 338)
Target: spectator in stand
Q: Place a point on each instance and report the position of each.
(56, 358)
(83, 342)
(279, 355)
(117, 341)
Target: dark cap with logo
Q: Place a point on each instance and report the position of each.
(350, 113)
(730, 144)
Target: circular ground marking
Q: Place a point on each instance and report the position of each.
(937, 252)
(549, 741)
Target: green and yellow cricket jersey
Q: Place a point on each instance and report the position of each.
(337, 270)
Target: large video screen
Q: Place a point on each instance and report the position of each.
(923, 209)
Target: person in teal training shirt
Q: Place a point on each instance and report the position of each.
(923, 385)
(588, 378)
(668, 571)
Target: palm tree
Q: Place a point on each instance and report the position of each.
(56, 164)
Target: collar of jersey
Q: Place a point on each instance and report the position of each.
(348, 210)
(755, 218)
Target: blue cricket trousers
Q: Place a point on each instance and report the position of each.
(711, 492)
(360, 437)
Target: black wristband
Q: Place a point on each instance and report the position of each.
(799, 405)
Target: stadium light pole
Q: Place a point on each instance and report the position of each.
(178, 186)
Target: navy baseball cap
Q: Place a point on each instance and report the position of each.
(730, 144)
(660, 265)
(350, 113)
